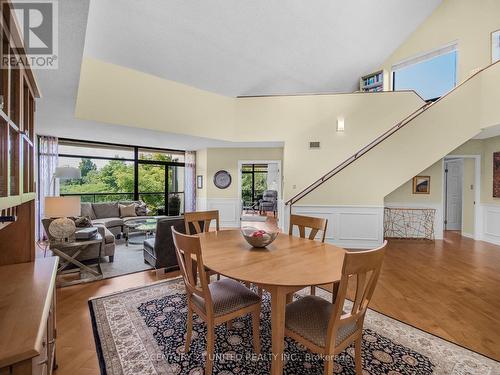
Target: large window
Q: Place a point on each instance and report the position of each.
(431, 75)
(253, 182)
(123, 173)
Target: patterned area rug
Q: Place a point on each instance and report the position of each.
(141, 331)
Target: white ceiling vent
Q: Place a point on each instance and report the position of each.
(314, 145)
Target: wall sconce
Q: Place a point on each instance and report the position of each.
(340, 124)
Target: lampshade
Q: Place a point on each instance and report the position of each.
(62, 206)
(67, 173)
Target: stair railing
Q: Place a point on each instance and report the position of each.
(375, 142)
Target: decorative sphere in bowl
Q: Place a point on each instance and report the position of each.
(258, 237)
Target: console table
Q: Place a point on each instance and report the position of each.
(412, 223)
(27, 317)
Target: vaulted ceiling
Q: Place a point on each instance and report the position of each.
(241, 47)
(230, 47)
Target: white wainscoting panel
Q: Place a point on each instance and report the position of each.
(229, 211)
(201, 204)
(353, 227)
(438, 219)
(490, 223)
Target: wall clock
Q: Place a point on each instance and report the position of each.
(222, 179)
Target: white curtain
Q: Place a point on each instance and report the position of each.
(190, 181)
(47, 186)
(273, 173)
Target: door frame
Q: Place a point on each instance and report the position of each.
(280, 177)
(477, 192)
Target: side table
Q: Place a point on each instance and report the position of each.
(69, 251)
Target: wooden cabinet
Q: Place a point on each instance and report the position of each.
(27, 318)
(18, 91)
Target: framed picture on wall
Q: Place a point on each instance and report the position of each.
(496, 175)
(422, 185)
(199, 182)
(495, 46)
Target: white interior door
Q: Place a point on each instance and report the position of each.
(453, 180)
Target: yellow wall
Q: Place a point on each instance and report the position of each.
(115, 94)
(404, 193)
(482, 147)
(301, 119)
(467, 22)
(227, 159)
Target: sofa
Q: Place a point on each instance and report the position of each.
(108, 215)
(92, 251)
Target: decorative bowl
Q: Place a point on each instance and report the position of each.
(257, 237)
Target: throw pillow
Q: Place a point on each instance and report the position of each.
(82, 221)
(87, 210)
(127, 210)
(141, 209)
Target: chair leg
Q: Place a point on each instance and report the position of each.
(209, 362)
(328, 366)
(313, 291)
(259, 291)
(218, 276)
(189, 328)
(357, 356)
(256, 329)
(229, 325)
(289, 298)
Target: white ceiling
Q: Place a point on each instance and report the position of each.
(253, 47)
(56, 108)
(231, 47)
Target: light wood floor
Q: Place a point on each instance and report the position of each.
(450, 288)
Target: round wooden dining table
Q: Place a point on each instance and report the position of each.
(288, 264)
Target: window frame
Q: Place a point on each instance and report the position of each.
(135, 160)
(423, 57)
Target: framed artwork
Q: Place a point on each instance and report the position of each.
(422, 185)
(496, 175)
(199, 182)
(495, 46)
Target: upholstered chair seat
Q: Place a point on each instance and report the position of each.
(227, 296)
(309, 317)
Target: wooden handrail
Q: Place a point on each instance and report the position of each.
(377, 141)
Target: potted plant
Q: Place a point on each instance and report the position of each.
(174, 205)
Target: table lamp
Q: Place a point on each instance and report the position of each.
(60, 208)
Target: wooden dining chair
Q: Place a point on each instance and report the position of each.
(198, 222)
(215, 303)
(315, 224)
(325, 327)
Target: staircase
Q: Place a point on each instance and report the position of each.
(413, 144)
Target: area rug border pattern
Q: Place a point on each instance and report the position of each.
(489, 363)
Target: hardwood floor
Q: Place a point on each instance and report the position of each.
(450, 288)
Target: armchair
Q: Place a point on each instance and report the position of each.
(269, 202)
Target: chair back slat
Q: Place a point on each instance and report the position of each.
(315, 224)
(194, 219)
(363, 267)
(188, 252)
